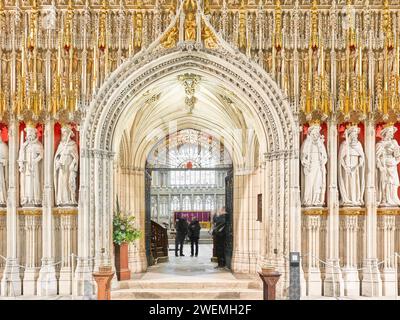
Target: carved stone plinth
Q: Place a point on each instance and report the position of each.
(270, 278)
(103, 280)
(371, 285)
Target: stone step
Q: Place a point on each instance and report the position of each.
(187, 294)
(193, 285)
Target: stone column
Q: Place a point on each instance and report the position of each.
(387, 227)
(350, 274)
(295, 206)
(3, 240)
(47, 282)
(371, 284)
(68, 229)
(83, 283)
(137, 251)
(313, 274)
(11, 282)
(240, 255)
(333, 284)
(33, 222)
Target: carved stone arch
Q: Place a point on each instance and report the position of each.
(104, 119)
(246, 77)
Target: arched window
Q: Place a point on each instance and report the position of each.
(198, 203)
(175, 204)
(189, 149)
(210, 205)
(186, 205)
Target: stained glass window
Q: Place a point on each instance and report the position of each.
(189, 149)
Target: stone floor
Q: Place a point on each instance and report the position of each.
(187, 277)
(187, 267)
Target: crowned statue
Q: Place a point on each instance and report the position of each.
(30, 167)
(3, 172)
(351, 169)
(387, 159)
(66, 163)
(314, 159)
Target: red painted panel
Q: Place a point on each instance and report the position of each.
(4, 132)
(378, 137)
(39, 128)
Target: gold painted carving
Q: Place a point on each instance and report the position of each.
(170, 39)
(315, 211)
(388, 211)
(352, 212)
(30, 212)
(190, 20)
(138, 29)
(65, 211)
(210, 40)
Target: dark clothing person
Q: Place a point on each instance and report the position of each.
(194, 236)
(181, 232)
(219, 232)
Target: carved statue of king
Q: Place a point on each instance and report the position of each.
(351, 169)
(387, 159)
(314, 159)
(66, 163)
(30, 167)
(3, 172)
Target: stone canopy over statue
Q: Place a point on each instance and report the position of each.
(3, 172)
(66, 163)
(351, 169)
(314, 159)
(387, 159)
(30, 168)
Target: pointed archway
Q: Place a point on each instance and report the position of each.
(182, 49)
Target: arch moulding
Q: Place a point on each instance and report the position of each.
(100, 140)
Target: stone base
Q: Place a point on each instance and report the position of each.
(389, 283)
(314, 282)
(30, 282)
(371, 285)
(351, 282)
(84, 284)
(137, 260)
(11, 281)
(243, 263)
(47, 281)
(65, 281)
(333, 284)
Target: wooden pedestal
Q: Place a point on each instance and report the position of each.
(270, 278)
(121, 262)
(103, 279)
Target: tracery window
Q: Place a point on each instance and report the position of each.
(186, 203)
(210, 204)
(175, 203)
(189, 149)
(198, 203)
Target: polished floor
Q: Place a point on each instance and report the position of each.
(187, 267)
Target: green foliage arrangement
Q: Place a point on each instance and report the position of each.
(124, 230)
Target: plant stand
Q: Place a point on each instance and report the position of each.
(121, 261)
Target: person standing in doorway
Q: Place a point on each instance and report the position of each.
(219, 232)
(181, 232)
(194, 236)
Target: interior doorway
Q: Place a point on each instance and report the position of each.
(189, 175)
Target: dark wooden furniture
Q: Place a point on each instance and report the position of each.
(159, 242)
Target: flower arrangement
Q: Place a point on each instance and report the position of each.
(124, 230)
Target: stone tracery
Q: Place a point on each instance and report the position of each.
(308, 55)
